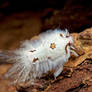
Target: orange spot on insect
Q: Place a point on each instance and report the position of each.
(32, 50)
(53, 45)
(49, 57)
(61, 35)
(35, 59)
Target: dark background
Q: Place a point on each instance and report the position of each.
(22, 19)
(23, 5)
(66, 7)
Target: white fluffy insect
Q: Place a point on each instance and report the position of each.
(38, 56)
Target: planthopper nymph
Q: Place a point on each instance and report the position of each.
(49, 51)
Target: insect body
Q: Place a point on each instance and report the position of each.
(38, 56)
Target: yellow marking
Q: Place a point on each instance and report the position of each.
(52, 46)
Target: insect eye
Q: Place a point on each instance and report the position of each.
(67, 36)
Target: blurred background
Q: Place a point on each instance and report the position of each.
(22, 19)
